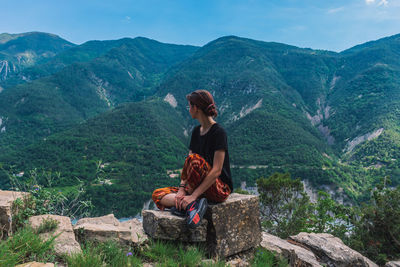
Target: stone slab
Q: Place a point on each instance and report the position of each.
(35, 264)
(65, 243)
(137, 235)
(234, 225)
(164, 225)
(296, 255)
(393, 264)
(332, 251)
(105, 228)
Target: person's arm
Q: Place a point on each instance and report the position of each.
(180, 195)
(215, 172)
(181, 191)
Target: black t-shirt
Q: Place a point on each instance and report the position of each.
(205, 145)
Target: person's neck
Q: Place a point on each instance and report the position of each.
(206, 123)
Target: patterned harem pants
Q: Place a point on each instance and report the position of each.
(194, 171)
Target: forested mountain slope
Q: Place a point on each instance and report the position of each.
(258, 103)
(80, 53)
(19, 51)
(120, 156)
(129, 72)
(329, 118)
(364, 106)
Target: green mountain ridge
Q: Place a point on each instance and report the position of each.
(82, 53)
(19, 51)
(123, 140)
(329, 118)
(82, 90)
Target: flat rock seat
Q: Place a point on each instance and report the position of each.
(163, 225)
(229, 227)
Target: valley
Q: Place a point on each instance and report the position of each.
(331, 119)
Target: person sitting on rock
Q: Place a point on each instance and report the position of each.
(206, 173)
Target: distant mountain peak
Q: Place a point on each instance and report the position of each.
(6, 37)
(375, 43)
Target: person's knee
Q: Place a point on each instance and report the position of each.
(156, 194)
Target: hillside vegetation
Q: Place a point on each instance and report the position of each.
(329, 118)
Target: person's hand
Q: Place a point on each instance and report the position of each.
(179, 196)
(186, 201)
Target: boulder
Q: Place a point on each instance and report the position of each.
(101, 229)
(228, 228)
(137, 235)
(35, 264)
(234, 225)
(331, 250)
(6, 200)
(65, 242)
(237, 263)
(393, 264)
(296, 255)
(164, 225)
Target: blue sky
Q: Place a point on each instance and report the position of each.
(319, 24)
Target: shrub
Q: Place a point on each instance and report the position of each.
(47, 225)
(24, 246)
(377, 231)
(169, 254)
(103, 254)
(265, 258)
(44, 200)
(285, 206)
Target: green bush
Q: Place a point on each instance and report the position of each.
(285, 206)
(103, 254)
(24, 246)
(377, 231)
(45, 200)
(169, 254)
(47, 225)
(265, 258)
(287, 210)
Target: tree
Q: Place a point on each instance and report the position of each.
(377, 234)
(331, 217)
(285, 206)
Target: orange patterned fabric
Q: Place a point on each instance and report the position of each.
(194, 171)
(159, 193)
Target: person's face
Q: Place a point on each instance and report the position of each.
(192, 110)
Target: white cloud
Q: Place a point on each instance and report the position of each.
(380, 3)
(127, 19)
(383, 2)
(335, 10)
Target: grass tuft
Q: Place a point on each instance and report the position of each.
(265, 258)
(24, 246)
(103, 254)
(169, 254)
(47, 225)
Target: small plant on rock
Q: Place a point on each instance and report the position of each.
(265, 258)
(47, 225)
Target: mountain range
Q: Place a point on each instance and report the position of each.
(114, 115)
